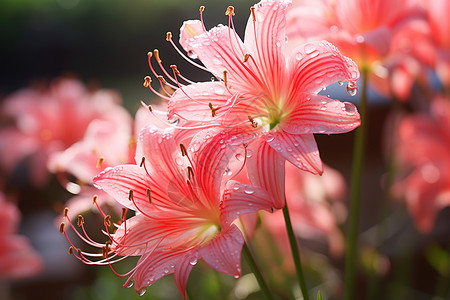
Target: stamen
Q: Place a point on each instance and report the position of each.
(150, 108)
(246, 56)
(124, 214)
(149, 195)
(107, 221)
(225, 73)
(190, 172)
(230, 11)
(94, 199)
(80, 221)
(168, 36)
(142, 162)
(175, 69)
(253, 13)
(130, 195)
(66, 211)
(202, 8)
(70, 250)
(99, 162)
(161, 79)
(213, 110)
(147, 80)
(254, 124)
(156, 52)
(183, 150)
(61, 227)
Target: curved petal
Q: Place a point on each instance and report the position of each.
(203, 101)
(223, 253)
(320, 114)
(316, 65)
(300, 149)
(182, 271)
(240, 199)
(220, 49)
(266, 38)
(266, 169)
(188, 31)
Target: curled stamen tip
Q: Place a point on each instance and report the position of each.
(99, 162)
(183, 150)
(142, 161)
(246, 57)
(61, 227)
(156, 52)
(130, 195)
(147, 81)
(124, 213)
(168, 36)
(175, 69)
(230, 11)
(150, 108)
(70, 250)
(149, 53)
(108, 220)
(80, 221)
(253, 13)
(161, 78)
(66, 211)
(94, 199)
(202, 8)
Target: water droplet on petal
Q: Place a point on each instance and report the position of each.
(248, 191)
(216, 61)
(270, 137)
(141, 292)
(349, 108)
(298, 56)
(130, 284)
(193, 261)
(352, 89)
(192, 55)
(340, 83)
(236, 186)
(286, 39)
(219, 90)
(311, 50)
(166, 270)
(213, 79)
(278, 44)
(236, 276)
(249, 153)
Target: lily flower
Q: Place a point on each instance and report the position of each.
(185, 208)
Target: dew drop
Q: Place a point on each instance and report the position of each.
(249, 153)
(213, 79)
(311, 50)
(270, 137)
(278, 44)
(216, 61)
(236, 186)
(141, 292)
(179, 161)
(248, 191)
(349, 108)
(340, 83)
(166, 270)
(236, 276)
(286, 39)
(193, 261)
(192, 55)
(298, 56)
(352, 89)
(130, 284)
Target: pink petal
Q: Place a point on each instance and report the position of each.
(320, 114)
(316, 65)
(301, 150)
(240, 199)
(223, 253)
(188, 31)
(118, 182)
(266, 39)
(193, 101)
(182, 271)
(266, 170)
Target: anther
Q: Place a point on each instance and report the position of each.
(79, 252)
(149, 53)
(104, 252)
(190, 172)
(150, 108)
(156, 52)
(202, 8)
(246, 57)
(147, 81)
(70, 250)
(149, 195)
(168, 36)
(124, 214)
(230, 11)
(225, 73)
(160, 78)
(175, 69)
(66, 211)
(254, 124)
(253, 13)
(108, 221)
(94, 199)
(142, 162)
(183, 150)
(130, 195)
(80, 221)
(99, 162)
(213, 110)
(61, 227)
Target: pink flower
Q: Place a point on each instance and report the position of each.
(185, 207)
(17, 259)
(52, 120)
(266, 90)
(390, 38)
(422, 149)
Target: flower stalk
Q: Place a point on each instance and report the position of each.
(295, 253)
(258, 275)
(355, 192)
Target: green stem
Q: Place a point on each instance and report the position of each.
(355, 193)
(295, 252)
(259, 277)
